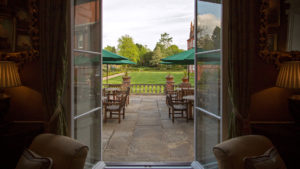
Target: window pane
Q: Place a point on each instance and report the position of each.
(208, 25)
(207, 136)
(87, 25)
(87, 131)
(208, 85)
(87, 89)
(208, 77)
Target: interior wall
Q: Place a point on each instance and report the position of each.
(268, 103)
(26, 101)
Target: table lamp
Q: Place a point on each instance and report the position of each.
(9, 77)
(289, 77)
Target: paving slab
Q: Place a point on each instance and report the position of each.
(147, 134)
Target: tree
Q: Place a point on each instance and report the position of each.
(146, 60)
(143, 50)
(204, 40)
(111, 49)
(216, 37)
(157, 55)
(202, 30)
(127, 48)
(172, 50)
(164, 42)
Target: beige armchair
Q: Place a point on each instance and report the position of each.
(65, 152)
(230, 153)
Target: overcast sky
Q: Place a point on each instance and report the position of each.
(145, 20)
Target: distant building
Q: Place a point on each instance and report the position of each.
(87, 26)
(191, 44)
(190, 41)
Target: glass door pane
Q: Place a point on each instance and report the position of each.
(86, 76)
(208, 78)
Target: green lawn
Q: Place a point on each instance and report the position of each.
(150, 77)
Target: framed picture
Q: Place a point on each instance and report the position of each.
(272, 42)
(22, 20)
(7, 33)
(273, 13)
(23, 42)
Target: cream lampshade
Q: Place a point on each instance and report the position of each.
(9, 77)
(289, 77)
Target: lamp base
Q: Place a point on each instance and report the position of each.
(294, 107)
(4, 105)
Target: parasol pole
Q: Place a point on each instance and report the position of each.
(106, 73)
(188, 70)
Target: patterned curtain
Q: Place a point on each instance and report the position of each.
(53, 52)
(240, 53)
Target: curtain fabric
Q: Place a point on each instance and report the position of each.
(53, 52)
(239, 60)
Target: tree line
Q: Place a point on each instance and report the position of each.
(141, 54)
(144, 56)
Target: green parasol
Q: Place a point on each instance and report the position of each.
(119, 62)
(187, 58)
(109, 56)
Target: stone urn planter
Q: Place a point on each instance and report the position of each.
(185, 80)
(169, 78)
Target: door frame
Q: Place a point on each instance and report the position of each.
(224, 93)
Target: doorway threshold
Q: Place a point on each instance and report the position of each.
(142, 165)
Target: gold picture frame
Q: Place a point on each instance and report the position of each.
(268, 41)
(26, 37)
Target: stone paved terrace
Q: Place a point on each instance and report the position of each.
(147, 134)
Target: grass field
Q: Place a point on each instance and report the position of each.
(150, 77)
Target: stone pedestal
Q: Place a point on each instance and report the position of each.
(126, 81)
(169, 83)
(185, 83)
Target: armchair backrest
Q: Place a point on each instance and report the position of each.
(65, 152)
(230, 153)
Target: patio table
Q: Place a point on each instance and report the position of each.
(190, 99)
(179, 89)
(112, 89)
(111, 93)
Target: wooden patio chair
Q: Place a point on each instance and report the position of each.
(187, 91)
(126, 91)
(173, 93)
(177, 106)
(115, 107)
(110, 96)
(185, 85)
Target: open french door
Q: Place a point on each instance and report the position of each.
(208, 87)
(86, 45)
